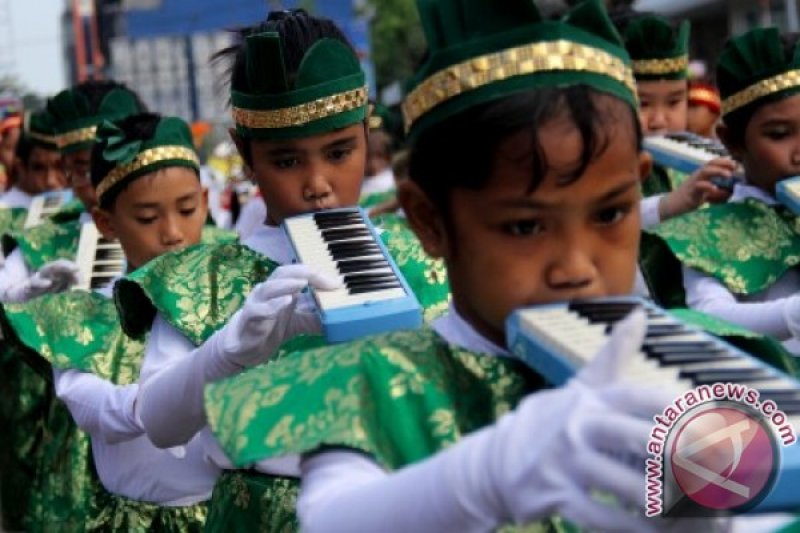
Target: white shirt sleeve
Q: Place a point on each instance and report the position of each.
(100, 408)
(708, 295)
(347, 491)
(648, 209)
(170, 401)
(13, 273)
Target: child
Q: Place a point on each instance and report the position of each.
(47, 251)
(660, 64)
(525, 170)
(738, 257)
(704, 109)
(304, 156)
(145, 172)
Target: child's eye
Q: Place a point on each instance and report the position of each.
(188, 211)
(339, 154)
(611, 215)
(777, 135)
(289, 162)
(523, 228)
(675, 103)
(145, 220)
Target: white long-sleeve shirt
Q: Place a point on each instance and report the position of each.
(127, 463)
(768, 312)
(16, 197)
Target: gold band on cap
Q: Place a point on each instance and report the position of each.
(561, 55)
(705, 96)
(48, 139)
(144, 159)
(661, 66)
(301, 114)
(775, 84)
(76, 136)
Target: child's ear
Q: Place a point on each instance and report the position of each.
(423, 217)
(241, 147)
(102, 219)
(645, 164)
(724, 134)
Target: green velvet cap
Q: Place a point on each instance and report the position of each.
(753, 67)
(658, 51)
(75, 121)
(40, 129)
(481, 50)
(328, 91)
(170, 146)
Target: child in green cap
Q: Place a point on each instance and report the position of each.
(739, 257)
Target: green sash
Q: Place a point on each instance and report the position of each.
(69, 211)
(196, 290)
(747, 246)
(662, 180)
(46, 242)
(73, 330)
(250, 501)
(12, 219)
(377, 198)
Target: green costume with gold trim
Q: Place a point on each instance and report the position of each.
(12, 219)
(747, 246)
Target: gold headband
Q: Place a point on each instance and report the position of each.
(479, 71)
(661, 66)
(703, 95)
(303, 113)
(145, 159)
(48, 139)
(76, 136)
(763, 88)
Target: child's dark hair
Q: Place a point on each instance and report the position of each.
(737, 121)
(460, 152)
(298, 32)
(135, 127)
(25, 148)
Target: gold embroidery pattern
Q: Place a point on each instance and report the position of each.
(661, 66)
(145, 159)
(553, 56)
(76, 137)
(781, 82)
(301, 114)
(48, 139)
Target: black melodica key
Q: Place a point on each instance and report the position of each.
(674, 346)
(339, 234)
(357, 280)
(664, 330)
(369, 276)
(351, 253)
(686, 358)
(358, 265)
(106, 269)
(360, 289)
(335, 215)
(327, 220)
(739, 375)
(366, 248)
(103, 255)
(780, 395)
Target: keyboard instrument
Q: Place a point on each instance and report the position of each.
(788, 193)
(685, 152)
(557, 340)
(46, 204)
(374, 297)
(99, 260)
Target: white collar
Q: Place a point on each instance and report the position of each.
(272, 242)
(16, 197)
(455, 330)
(743, 191)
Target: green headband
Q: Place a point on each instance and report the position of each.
(40, 131)
(481, 51)
(755, 66)
(76, 123)
(329, 90)
(171, 146)
(658, 51)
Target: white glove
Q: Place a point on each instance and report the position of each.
(267, 319)
(56, 276)
(550, 454)
(170, 403)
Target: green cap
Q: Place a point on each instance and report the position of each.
(170, 146)
(328, 92)
(755, 66)
(482, 50)
(40, 130)
(75, 121)
(658, 51)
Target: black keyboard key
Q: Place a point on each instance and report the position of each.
(358, 265)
